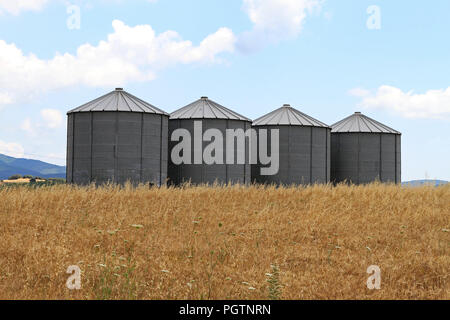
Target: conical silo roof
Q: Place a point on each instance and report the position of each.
(288, 116)
(205, 108)
(358, 122)
(118, 100)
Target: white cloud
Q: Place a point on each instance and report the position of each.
(50, 119)
(433, 104)
(5, 99)
(128, 54)
(53, 118)
(16, 6)
(27, 126)
(275, 20)
(359, 92)
(137, 54)
(11, 149)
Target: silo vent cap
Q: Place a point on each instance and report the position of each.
(119, 89)
(286, 105)
(204, 98)
(358, 112)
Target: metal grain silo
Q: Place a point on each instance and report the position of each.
(210, 115)
(364, 150)
(304, 148)
(117, 138)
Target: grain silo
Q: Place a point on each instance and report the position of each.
(117, 138)
(364, 150)
(304, 148)
(196, 119)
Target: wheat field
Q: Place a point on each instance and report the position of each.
(225, 242)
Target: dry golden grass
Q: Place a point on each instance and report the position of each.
(220, 243)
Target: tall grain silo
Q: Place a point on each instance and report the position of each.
(304, 148)
(364, 150)
(117, 138)
(209, 115)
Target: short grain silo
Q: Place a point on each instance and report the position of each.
(364, 150)
(304, 148)
(201, 116)
(117, 138)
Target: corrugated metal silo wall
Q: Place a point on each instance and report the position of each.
(81, 156)
(117, 147)
(203, 173)
(305, 156)
(69, 152)
(363, 158)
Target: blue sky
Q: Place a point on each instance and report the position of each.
(249, 55)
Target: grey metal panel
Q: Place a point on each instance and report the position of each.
(118, 100)
(104, 147)
(129, 147)
(192, 173)
(237, 173)
(361, 123)
(205, 108)
(216, 172)
(388, 157)
(284, 148)
(328, 155)
(154, 160)
(108, 104)
(69, 154)
(319, 158)
(345, 160)
(398, 176)
(335, 158)
(82, 149)
(173, 171)
(369, 158)
(154, 152)
(179, 174)
(256, 168)
(164, 149)
(299, 156)
(248, 167)
(287, 115)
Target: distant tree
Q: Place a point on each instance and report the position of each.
(28, 176)
(15, 177)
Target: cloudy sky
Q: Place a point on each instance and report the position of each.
(328, 58)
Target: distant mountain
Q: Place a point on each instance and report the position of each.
(422, 182)
(10, 166)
